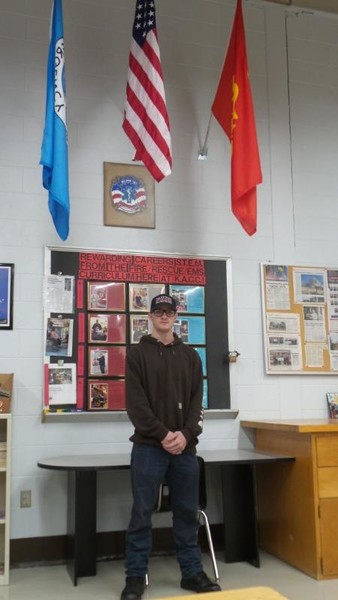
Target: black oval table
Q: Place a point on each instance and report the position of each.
(240, 526)
(82, 504)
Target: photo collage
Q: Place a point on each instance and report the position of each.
(117, 316)
(113, 316)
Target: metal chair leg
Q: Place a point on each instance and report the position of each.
(211, 545)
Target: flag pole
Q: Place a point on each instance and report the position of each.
(203, 153)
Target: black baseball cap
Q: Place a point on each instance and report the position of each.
(163, 300)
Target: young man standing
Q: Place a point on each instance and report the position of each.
(164, 385)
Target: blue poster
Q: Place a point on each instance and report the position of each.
(202, 352)
(4, 295)
(205, 402)
(191, 329)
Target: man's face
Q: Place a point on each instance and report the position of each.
(163, 318)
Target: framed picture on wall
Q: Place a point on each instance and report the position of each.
(129, 196)
(6, 295)
(106, 395)
(189, 298)
(139, 326)
(141, 295)
(97, 395)
(106, 360)
(190, 329)
(104, 295)
(107, 328)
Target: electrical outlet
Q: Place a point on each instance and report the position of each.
(25, 498)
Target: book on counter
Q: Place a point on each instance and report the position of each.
(332, 401)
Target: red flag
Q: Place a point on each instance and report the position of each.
(233, 109)
(146, 120)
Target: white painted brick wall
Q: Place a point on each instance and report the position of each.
(193, 213)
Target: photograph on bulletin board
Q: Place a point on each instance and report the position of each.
(97, 395)
(104, 295)
(106, 360)
(191, 330)
(61, 384)
(59, 337)
(141, 295)
(189, 298)
(106, 395)
(107, 328)
(139, 326)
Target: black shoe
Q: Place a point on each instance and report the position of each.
(200, 583)
(134, 588)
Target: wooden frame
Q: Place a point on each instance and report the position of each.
(129, 198)
(6, 295)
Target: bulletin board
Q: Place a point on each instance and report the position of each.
(300, 319)
(96, 306)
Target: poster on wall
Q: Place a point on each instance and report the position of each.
(58, 293)
(61, 384)
(59, 337)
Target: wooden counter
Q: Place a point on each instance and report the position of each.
(252, 593)
(298, 504)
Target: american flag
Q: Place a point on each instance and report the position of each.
(146, 121)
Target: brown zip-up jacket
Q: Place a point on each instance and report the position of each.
(164, 388)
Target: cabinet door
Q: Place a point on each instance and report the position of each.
(329, 535)
(328, 482)
(327, 450)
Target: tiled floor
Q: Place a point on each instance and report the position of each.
(53, 583)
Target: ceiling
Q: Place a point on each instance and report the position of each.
(322, 5)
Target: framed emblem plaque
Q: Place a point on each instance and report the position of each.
(128, 196)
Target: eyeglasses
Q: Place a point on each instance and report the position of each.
(159, 312)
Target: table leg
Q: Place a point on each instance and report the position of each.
(81, 524)
(240, 513)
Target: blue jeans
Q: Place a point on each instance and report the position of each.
(149, 467)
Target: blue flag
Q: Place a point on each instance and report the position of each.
(54, 149)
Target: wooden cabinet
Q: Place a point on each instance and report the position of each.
(298, 503)
(5, 445)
